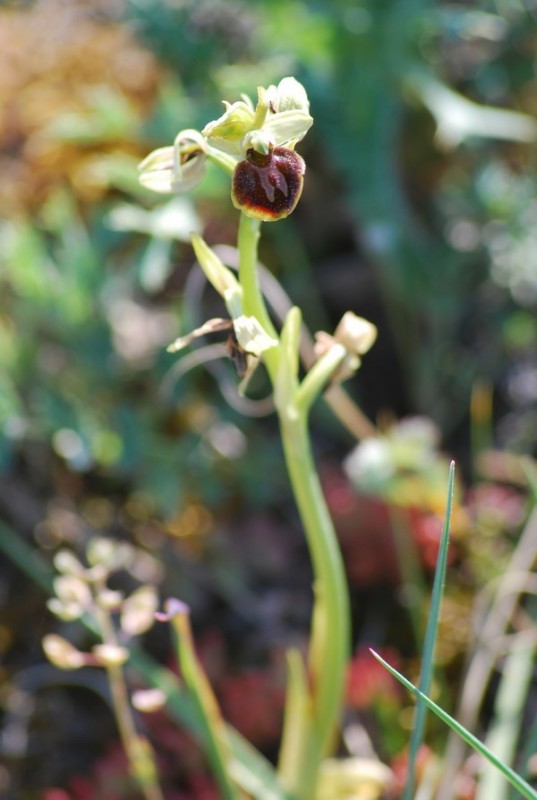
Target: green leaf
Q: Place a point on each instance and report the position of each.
(214, 730)
(430, 641)
(298, 711)
(519, 783)
(510, 706)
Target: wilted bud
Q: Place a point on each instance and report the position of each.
(268, 187)
(251, 336)
(355, 334)
(110, 655)
(211, 326)
(62, 653)
(148, 700)
(138, 611)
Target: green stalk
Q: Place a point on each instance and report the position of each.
(253, 300)
(330, 634)
(429, 645)
(504, 734)
(214, 729)
(313, 711)
(137, 747)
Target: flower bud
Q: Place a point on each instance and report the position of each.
(268, 187)
(66, 562)
(355, 333)
(100, 551)
(71, 590)
(110, 655)
(138, 612)
(148, 700)
(66, 611)
(111, 554)
(109, 599)
(61, 653)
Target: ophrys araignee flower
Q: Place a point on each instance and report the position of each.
(253, 144)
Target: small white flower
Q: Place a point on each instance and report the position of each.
(62, 653)
(69, 589)
(110, 655)
(138, 612)
(148, 700)
(67, 563)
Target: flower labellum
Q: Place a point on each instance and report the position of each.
(268, 187)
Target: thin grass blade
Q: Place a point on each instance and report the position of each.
(431, 634)
(519, 783)
(511, 702)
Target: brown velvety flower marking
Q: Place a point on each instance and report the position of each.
(268, 187)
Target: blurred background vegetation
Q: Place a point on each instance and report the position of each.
(419, 212)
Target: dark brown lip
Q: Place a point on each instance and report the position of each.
(268, 186)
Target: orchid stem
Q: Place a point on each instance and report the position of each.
(253, 300)
(312, 728)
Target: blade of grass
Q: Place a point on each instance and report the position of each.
(528, 748)
(482, 659)
(427, 667)
(298, 707)
(519, 783)
(530, 471)
(414, 588)
(504, 732)
(26, 558)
